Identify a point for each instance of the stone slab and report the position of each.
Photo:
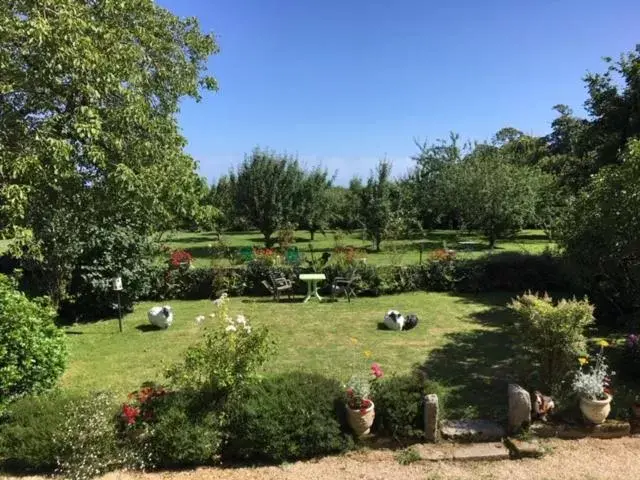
(609, 429)
(435, 453)
(481, 452)
(521, 449)
(472, 430)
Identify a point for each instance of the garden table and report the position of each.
(312, 280)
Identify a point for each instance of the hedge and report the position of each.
(511, 271)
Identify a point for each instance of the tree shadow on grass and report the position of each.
(476, 366)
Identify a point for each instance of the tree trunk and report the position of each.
(492, 241)
(268, 241)
(313, 234)
(378, 239)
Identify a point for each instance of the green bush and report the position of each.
(399, 402)
(288, 417)
(110, 251)
(32, 349)
(27, 432)
(551, 337)
(185, 431)
(228, 355)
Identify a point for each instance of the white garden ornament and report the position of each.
(161, 317)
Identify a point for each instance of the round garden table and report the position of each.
(312, 280)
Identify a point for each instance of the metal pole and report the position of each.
(119, 313)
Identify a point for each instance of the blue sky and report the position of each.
(345, 83)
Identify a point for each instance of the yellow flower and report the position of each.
(583, 360)
(367, 353)
(354, 341)
(603, 343)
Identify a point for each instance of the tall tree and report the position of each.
(315, 203)
(88, 132)
(493, 195)
(268, 189)
(376, 202)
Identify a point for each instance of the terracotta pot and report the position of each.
(360, 422)
(596, 411)
(635, 408)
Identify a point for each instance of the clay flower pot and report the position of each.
(360, 421)
(635, 408)
(596, 411)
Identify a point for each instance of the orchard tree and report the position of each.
(493, 196)
(315, 201)
(268, 191)
(376, 203)
(89, 95)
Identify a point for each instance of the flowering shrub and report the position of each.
(443, 255)
(180, 258)
(88, 444)
(631, 355)
(139, 407)
(594, 384)
(228, 355)
(267, 256)
(358, 388)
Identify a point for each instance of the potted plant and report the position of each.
(593, 388)
(360, 407)
(635, 407)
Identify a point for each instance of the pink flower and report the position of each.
(377, 371)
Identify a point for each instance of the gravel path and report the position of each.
(587, 459)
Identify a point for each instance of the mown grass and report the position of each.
(459, 341)
(201, 245)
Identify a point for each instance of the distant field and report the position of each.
(201, 245)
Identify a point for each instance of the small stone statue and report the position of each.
(542, 405)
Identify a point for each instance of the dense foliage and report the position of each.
(89, 136)
(552, 337)
(32, 349)
(288, 417)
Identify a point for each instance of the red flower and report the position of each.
(130, 413)
(180, 257)
(350, 391)
(377, 371)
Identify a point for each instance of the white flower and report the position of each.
(200, 319)
(230, 328)
(241, 320)
(247, 328)
(212, 315)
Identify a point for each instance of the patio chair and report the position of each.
(292, 255)
(246, 254)
(344, 286)
(278, 283)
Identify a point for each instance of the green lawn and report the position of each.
(393, 252)
(459, 340)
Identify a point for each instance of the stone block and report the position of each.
(431, 417)
(472, 430)
(519, 408)
(481, 452)
(609, 429)
(522, 449)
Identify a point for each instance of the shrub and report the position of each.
(288, 417)
(32, 349)
(551, 336)
(399, 402)
(88, 444)
(27, 431)
(177, 429)
(228, 355)
(630, 363)
(110, 251)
